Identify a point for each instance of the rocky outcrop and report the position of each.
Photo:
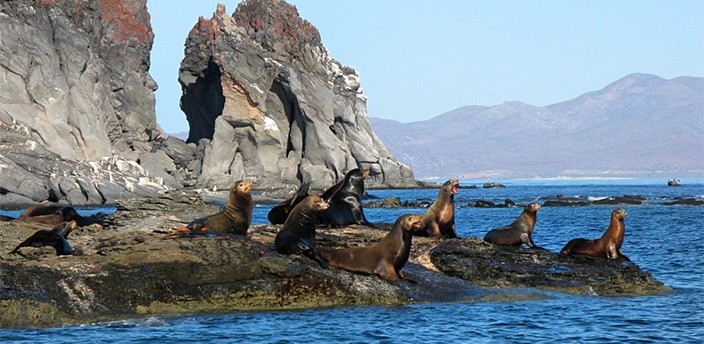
(514, 267)
(272, 105)
(77, 120)
(129, 269)
(75, 73)
(264, 99)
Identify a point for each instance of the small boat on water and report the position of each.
(673, 182)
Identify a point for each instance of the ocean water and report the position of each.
(667, 241)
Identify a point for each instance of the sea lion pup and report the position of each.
(53, 214)
(385, 258)
(56, 238)
(608, 246)
(439, 219)
(278, 214)
(345, 199)
(297, 236)
(234, 219)
(517, 233)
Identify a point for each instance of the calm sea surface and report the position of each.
(667, 241)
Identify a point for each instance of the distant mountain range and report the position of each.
(639, 126)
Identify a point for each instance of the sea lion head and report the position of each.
(65, 228)
(533, 207)
(409, 222)
(619, 213)
(365, 173)
(242, 186)
(316, 203)
(355, 179)
(451, 186)
(68, 213)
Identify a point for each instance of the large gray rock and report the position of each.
(77, 104)
(274, 106)
(76, 72)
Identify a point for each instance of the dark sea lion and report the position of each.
(439, 219)
(6, 218)
(278, 214)
(385, 258)
(517, 233)
(297, 235)
(345, 199)
(56, 238)
(234, 219)
(53, 214)
(608, 246)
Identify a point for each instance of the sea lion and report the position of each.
(439, 219)
(234, 219)
(297, 235)
(345, 199)
(517, 233)
(385, 258)
(53, 214)
(44, 208)
(61, 214)
(608, 246)
(278, 214)
(56, 238)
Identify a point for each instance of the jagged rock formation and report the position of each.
(77, 120)
(272, 105)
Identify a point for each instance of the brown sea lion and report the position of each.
(439, 219)
(56, 238)
(234, 219)
(345, 199)
(517, 233)
(608, 246)
(297, 235)
(278, 214)
(53, 214)
(385, 258)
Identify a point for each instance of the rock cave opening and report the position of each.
(202, 102)
(290, 105)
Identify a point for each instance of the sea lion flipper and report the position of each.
(301, 193)
(526, 239)
(329, 193)
(433, 229)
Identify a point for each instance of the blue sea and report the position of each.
(666, 240)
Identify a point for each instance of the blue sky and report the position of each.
(418, 59)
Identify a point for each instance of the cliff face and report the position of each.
(77, 120)
(270, 104)
(76, 73)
